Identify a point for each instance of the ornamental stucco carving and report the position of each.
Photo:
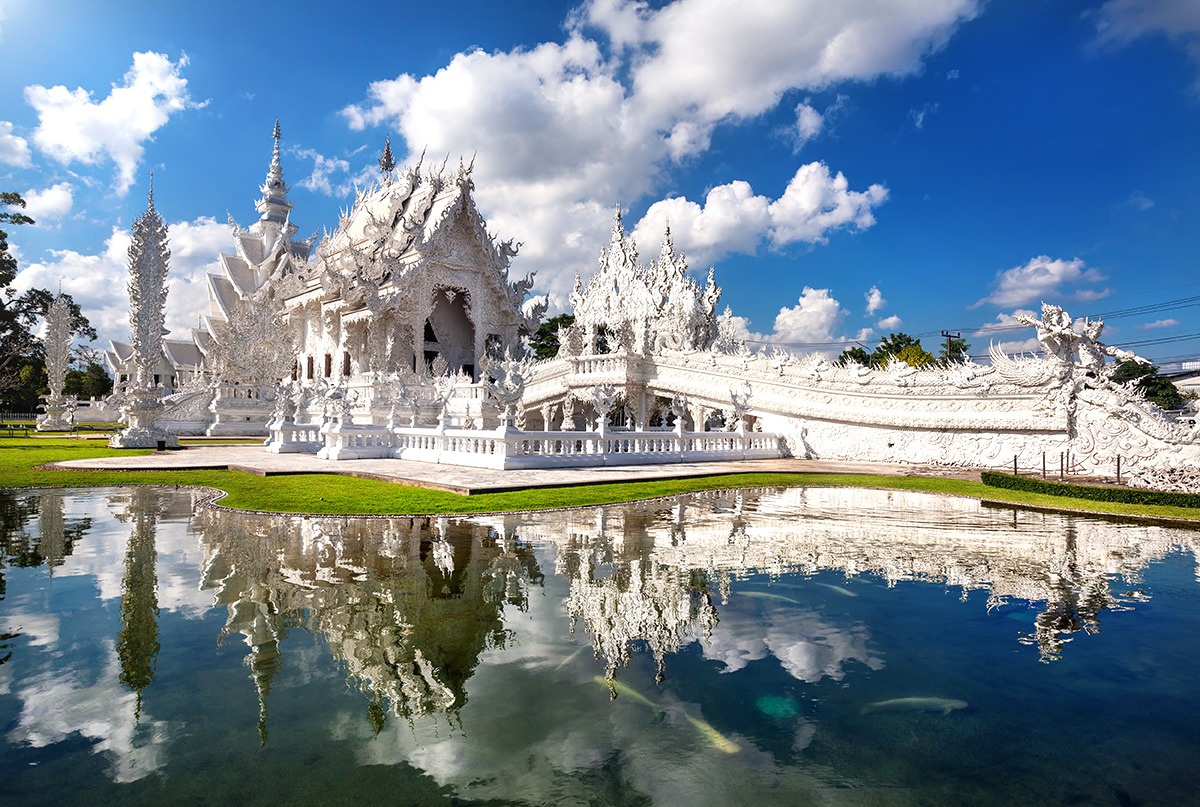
(139, 399)
(57, 341)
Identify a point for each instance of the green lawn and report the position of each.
(336, 494)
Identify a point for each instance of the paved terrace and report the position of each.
(466, 481)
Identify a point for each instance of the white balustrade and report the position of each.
(511, 448)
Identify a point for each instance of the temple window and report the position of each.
(346, 363)
(310, 367)
(328, 365)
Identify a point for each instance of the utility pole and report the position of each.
(948, 336)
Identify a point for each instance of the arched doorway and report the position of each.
(453, 330)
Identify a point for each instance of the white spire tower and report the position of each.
(59, 410)
(275, 222)
(149, 256)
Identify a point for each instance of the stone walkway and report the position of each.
(466, 481)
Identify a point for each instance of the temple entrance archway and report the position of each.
(454, 331)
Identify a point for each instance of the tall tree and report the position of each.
(20, 312)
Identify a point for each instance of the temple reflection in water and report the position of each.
(664, 561)
(408, 605)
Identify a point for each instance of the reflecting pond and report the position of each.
(798, 646)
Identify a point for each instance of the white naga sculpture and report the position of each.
(59, 409)
(139, 399)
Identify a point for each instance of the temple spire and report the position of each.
(387, 163)
(274, 204)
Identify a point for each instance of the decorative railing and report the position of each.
(511, 448)
(607, 364)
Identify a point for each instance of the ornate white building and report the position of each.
(400, 335)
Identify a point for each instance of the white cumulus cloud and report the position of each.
(1159, 323)
(809, 123)
(1012, 337)
(732, 219)
(753, 52)
(50, 204)
(323, 171)
(73, 127)
(98, 282)
(875, 301)
(816, 317)
(14, 150)
(813, 325)
(816, 201)
(735, 219)
(1043, 277)
(889, 323)
(565, 129)
(1119, 22)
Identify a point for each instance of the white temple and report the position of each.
(400, 335)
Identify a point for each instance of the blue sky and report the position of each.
(850, 168)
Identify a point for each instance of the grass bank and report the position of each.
(335, 494)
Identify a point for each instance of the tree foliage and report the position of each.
(1145, 378)
(544, 341)
(93, 381)
(20, 350)
(895, 345)
(955, 350)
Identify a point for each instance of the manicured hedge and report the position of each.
(1122, 495)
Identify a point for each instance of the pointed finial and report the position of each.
(386, 162)
(277, 134)
(150, 195)
(618, 230)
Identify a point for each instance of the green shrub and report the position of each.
(1098, 494)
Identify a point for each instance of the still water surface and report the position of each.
(801, 646)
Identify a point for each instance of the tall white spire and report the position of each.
(149, 256)
(274, 204)
(57, 343)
